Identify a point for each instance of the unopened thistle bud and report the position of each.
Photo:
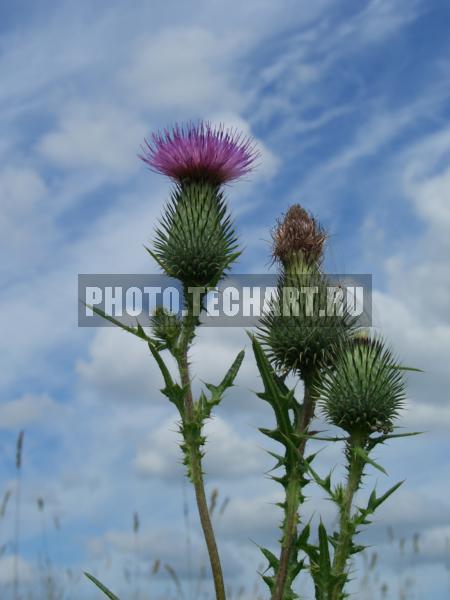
(298, 239)
(166, 327)
(300, 340)
(364, 390)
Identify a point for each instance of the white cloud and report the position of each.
(20, 188)
(95, 137)
(27, 410)
(230, 453)
(112, 88)
(23, 193)
(168, 545)
(254, 518)
(413, 510)
(431, 418)
(413, 311)
(381, 18)
(431, 200)
(27, 571)
(120, 367)
(182, 69)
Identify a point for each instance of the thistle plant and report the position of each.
(196, 243)
(301, 342)
(307, 332)
(352, 377)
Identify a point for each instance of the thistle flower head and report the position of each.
(363, 391)
(298, 236)
(200, 152)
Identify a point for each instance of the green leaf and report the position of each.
(265, 370)
(273, 434)
(137, 331)
(314, 436)
(324, 560)
(156, 259)
(321, 567)
(363, 454)
(204, 405)
(271, 558)
(385, 496)
(172, 390)
(103, 588)
(404, 368)
(303, 537)
(391, 436)
(273, 393)
(161, 364)
(324, 483)
(228, 381)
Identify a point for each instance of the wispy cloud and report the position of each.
(318, 85)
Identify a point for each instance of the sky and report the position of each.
(349, 104)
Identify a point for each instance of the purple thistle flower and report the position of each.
(200, 152)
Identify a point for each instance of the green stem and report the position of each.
(292, 500)
(193, 442)
(205, 520)
(346, 524)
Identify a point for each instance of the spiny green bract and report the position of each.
(196, 242)
(166, 327)
(364, 390)
(303, 342)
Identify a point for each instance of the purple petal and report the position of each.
(200, 152)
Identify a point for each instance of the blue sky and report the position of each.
(350, 104)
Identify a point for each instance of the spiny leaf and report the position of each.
(366, 458)
(172, 390)
(273, 394)
(266, 371)
(204, 405)
(218, 390)
(162, 365)
(324, 561)
(314, 436)
(377, 501)
(324, 483)
(271, 558)
(274, 434)
(404, 368)
(304, 535)
(391, 436)
(155, 257)
(137, 331)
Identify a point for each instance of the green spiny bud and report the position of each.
(166, 327)
(302, 340)
(196, 242)
(363, 391)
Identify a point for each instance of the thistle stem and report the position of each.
(205, 520)
(292, 500)
(193, 442)
(346, 526)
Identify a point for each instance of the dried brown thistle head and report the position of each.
(298, 234)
